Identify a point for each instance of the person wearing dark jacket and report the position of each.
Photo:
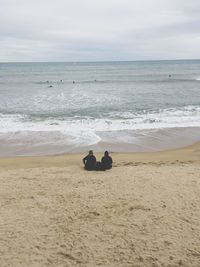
(90, 161)
(106, 161)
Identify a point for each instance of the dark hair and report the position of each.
(106, 153)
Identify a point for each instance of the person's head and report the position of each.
(91, 152)
(106, 154)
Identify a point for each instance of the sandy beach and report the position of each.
(143, 212)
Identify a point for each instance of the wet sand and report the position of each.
(143, 212)
(41, 143)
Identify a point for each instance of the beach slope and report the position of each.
(143, 212)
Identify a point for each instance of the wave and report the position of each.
(119, 127)
(80, 82)
(130, 80)
(183, 117)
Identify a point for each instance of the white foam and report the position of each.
(86, 131)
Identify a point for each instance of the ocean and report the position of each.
(54, 108)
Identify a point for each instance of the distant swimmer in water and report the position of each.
(73, 81)
(170, 75)
(61, 81)
(50, 86)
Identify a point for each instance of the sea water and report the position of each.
(50, 108)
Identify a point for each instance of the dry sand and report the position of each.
(143, 212)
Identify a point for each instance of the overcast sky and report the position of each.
(99, 30)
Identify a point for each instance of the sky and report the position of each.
(99, 30)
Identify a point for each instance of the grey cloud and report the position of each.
(80, 30)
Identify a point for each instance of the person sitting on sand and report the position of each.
(90, 161)
(106, 161)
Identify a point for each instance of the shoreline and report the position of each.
(151, 140)
(185, 154)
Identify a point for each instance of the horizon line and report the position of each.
(102, 61)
